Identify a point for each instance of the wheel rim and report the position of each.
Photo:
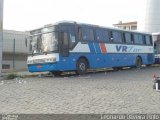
(82, 66)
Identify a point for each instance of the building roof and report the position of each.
(126, 23)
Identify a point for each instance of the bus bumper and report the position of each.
(43, 67)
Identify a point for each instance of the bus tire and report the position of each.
(82, 66)
(138, 62)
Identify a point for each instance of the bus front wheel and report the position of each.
(82, 66)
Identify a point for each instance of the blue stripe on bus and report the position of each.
(91, 47)
(98, 50)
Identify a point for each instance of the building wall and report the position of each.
(19, 65)
(16, 62)
(17, 59)
(8, 42)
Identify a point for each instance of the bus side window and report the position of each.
(99, 35)
(144, 40)
(102, 35)
(106, 35)
(123, 38)
(72, 37)
(135, 36)
(132, 39)
(111, 36)
(128, 38)
(148, 40)
(87, 34)
(140, 39)
(79, 33)
(64, 38)
(117, 37)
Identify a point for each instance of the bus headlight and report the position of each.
(50, 60)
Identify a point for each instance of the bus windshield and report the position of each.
(49, 42)
(44, 43)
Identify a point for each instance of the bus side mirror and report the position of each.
(26, 42)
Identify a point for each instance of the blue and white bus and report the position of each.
(71, 46)
(156, 39)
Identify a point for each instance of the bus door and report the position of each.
(64, 43)
(68, 39)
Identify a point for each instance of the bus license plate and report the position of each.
(39, 66)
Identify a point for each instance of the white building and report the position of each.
(126, 25)
(14, 50)
(151, 21)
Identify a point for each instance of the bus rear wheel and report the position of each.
(82, 66)
(138, 62)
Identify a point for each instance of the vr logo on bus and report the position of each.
(122, 48)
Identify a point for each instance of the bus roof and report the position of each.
(92, 25)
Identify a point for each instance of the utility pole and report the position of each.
(1, 33)
(14, 54)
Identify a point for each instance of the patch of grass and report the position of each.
(11, 76)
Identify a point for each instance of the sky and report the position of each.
(24, 15)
